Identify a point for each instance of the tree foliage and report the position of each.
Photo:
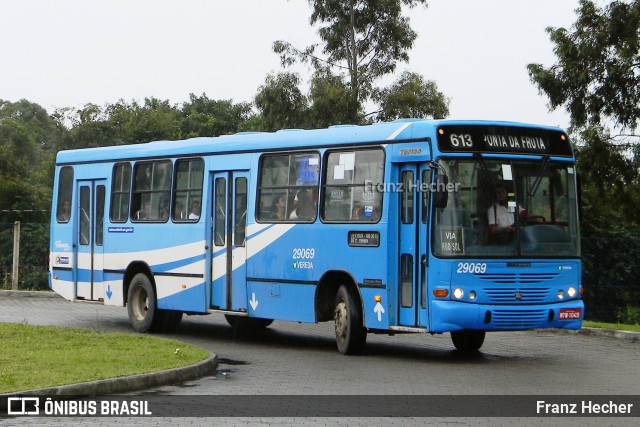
(280, 102)
(411, 96)
(597, 74)
(597, 79)
(363, 40)
(28, 139)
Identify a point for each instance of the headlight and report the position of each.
(472, 295)
(560, 294)
(458, 293)
(571, 292)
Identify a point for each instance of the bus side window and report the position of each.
(351, 186)
(120, 192)
(288, 187)
(65, 191)
(187, 190)
(151, 191)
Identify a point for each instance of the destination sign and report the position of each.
(503, 139)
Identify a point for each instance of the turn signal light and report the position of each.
(377, 298)
(440, 293)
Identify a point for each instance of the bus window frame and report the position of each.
(60, 203)
(287, 188)
(111, 204)
(174, 183)
(323, 183)
(133, 212)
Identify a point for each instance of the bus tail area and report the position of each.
(409, 226)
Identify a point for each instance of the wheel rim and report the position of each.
(140, 303)
(341, 320)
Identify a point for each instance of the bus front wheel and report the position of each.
(468, 340)
(351, 336)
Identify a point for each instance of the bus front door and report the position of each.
(89, 240)
(228, 235)
(412, 260)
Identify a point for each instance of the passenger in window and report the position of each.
(65, 213)
(145, 212)
(194, 214)
(305, 208)
(279, 208)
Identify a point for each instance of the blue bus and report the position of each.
(409, 226)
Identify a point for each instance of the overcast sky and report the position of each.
(65, 53)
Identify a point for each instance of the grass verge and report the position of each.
(46, 356)
(616, 326)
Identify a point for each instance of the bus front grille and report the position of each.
(518, 319)
(516, 278)
(510, 295)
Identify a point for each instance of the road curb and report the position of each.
(601, 332)
(28, 294)
(130, 383)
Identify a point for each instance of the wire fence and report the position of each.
(610, 276)
(34, 255)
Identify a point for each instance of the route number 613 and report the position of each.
(462, 140)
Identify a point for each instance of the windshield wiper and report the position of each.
(536, 183)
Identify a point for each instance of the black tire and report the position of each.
(351, 336)
(247, 323)
(468, 340)
(141, 304)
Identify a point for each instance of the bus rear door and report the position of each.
(89, 240)
(229, 255)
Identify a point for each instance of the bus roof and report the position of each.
(402, 129)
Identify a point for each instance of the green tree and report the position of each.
(330, 100)
(411, 96)
(28, 137)
(281, 102)
(152, 121)
(208, 117)
(363, 41)
(597, 80)
(597, 74)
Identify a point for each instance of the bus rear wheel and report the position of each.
(144, 314)
(141, 303)
(351, 336)
(468, 340)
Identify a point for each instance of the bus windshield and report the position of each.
(508, 208)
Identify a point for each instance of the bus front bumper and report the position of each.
(454, 315)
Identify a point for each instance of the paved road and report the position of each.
(291, 358)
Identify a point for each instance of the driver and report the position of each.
(500, 218)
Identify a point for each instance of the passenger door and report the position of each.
(89, 240)
(412, 254)
(228, 240)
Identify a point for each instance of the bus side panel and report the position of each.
(178, 270)
(286, 261)
(282, 301)
(171, 296)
